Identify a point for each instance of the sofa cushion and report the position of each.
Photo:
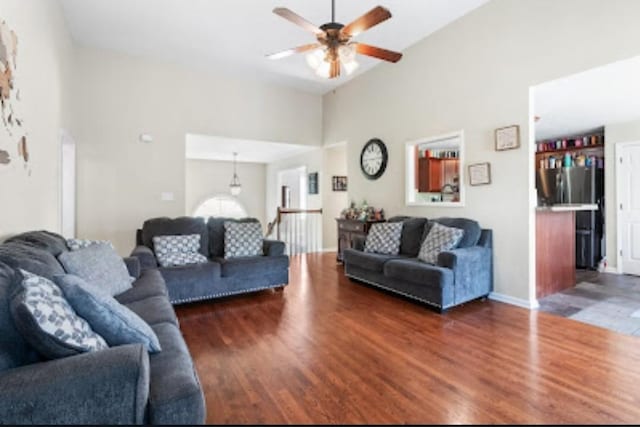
(175, 226)
(14, 350)
(440, 238)
(252, 266)
(31, 258)
(368, 261)
(384, 238)
(99, 265)
(53, 243)
(215, 227)
(175, 394)
(154, 310)
(114, 322)
(472, 230)
(48, 322)
(178, 250)
(149, 284)
(242, 239)
(412, 234)
(415, 271)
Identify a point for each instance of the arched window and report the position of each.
(222, 205)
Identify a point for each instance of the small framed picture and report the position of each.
(313, 183)
(339, 183)
(507, 138)
(480, 174)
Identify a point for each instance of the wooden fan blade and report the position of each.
(289, 52)
(366, 21)
(297, 19)
(335, 69)
(377, 52)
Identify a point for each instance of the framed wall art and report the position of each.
(480, 174)
(507, 138)
(339, 183)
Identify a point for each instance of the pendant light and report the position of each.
(235, 187)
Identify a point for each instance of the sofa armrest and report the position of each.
(133, 265)
(273, 247)
(358, 242)
(472, 269)
(104, 387)
(146, 257)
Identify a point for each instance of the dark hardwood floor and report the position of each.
(327, 350)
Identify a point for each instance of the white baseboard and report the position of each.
(611, 269)
(531, 305)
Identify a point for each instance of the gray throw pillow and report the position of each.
(384, 238)
(117, 324)
(242, 239)
(99, 265)
(178, 250)
(47, 321)
(440, 238)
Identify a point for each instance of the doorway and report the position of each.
(628, 192)
(67, 185)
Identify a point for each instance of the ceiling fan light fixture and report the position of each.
(315, 58)
(324, 69)
(347, 53)
(235, 188)
(350, 67)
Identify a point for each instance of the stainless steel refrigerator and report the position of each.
(578, 185)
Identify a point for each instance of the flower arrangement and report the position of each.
(363, 212)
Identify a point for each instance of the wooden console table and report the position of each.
(348, 229)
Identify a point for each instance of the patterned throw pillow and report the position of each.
(178, 250)
(242, 239)
(384, 238)
(47, 321)
(77, 244)
(440, 238)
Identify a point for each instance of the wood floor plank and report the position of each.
(327, 350)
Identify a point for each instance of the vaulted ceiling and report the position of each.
(235, 35)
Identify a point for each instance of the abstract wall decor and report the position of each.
(9, 100)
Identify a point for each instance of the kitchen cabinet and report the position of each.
(433, 173)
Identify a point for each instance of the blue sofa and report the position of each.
(462, 274)
(119, 385)
(219, 277)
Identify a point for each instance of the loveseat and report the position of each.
(120, 385)
(462, 274)
(219, 276)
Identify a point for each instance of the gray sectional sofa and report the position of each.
(119, 385)
(219, 277)
(462, 274)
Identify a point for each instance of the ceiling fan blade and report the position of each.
(289, 52)
(335, 69)
(366, 21)
(377, 52)
(297, 19)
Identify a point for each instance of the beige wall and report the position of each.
(614, 134)
(335, 163)
(475, 75)
(117, 97)
(29, 198)
(206, 178)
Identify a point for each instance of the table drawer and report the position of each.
(352, 226)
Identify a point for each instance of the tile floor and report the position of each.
(607, 300)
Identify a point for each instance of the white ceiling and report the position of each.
(203, 147)
(588, 100)
(235, 35)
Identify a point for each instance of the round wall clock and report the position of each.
(373, 159)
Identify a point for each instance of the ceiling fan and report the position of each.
(334, 48)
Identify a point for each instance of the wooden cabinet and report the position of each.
(433, 173)
(348, 229)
